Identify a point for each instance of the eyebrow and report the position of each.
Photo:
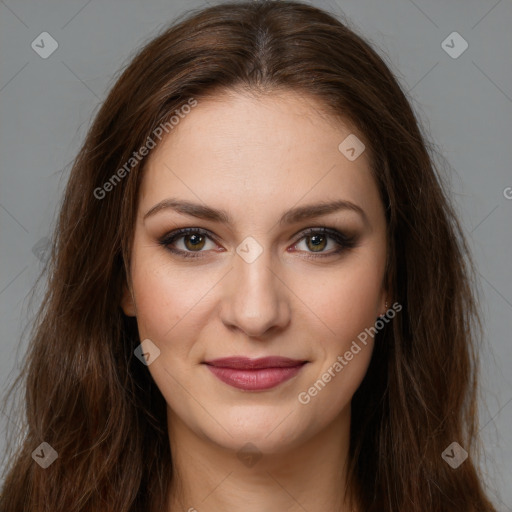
(292, 216)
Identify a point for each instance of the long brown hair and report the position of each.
(86, 394)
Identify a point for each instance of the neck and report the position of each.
(307, 476)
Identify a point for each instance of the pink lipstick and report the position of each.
(254, 374)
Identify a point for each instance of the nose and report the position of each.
(255, 299)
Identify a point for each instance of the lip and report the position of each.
(255, 374)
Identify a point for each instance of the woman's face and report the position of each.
(251, 283)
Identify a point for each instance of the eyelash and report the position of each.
(344, 241)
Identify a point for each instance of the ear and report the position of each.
(127, 303)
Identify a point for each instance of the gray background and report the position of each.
(46, 106)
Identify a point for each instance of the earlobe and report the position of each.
(127, 303)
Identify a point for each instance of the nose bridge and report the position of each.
(257, 301)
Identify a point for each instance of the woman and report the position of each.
(259, 293)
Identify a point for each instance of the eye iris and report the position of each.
(317, 245)
(198, 240)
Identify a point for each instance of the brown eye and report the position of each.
(318, 242)
(193, 242)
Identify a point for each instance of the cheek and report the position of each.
(346, 301)
(344, 352)
(164, 292)
(345, 298)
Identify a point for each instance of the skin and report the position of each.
(257, 158)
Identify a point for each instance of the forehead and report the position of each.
(249, 151)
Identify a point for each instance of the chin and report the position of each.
(271, 429)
